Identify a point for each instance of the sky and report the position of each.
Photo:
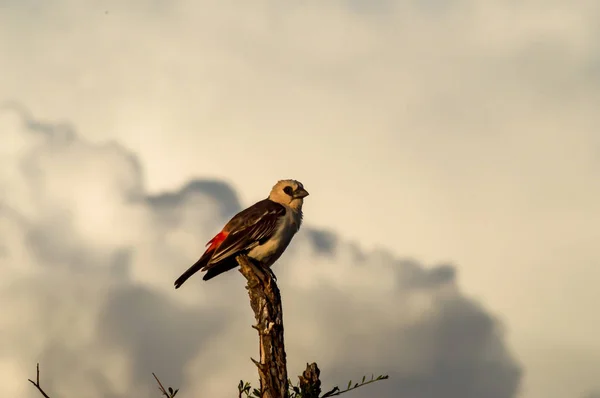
(452, 153)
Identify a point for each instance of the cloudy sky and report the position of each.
(452, 153)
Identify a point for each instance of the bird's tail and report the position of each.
(198, 265)
(219, 268)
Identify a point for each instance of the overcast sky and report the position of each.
(452, 153)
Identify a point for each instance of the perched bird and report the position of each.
(262, 232)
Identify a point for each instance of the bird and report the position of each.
(262, 232)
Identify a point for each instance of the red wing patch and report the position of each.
(217, 240)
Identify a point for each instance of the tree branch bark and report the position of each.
(265, 301)
(310, 384)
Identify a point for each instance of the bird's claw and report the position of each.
(270, 272)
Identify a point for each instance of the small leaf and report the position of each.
(363, 380)
(349, 384)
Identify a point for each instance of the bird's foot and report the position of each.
(270, 272)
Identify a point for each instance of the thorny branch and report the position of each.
(265, 301)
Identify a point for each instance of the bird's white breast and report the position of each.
(272, 249)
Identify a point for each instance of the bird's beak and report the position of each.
(300, 193)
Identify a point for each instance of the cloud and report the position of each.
(87, 264)
(475, 124)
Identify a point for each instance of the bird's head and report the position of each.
(289, 192)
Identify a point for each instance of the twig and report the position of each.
(160, 386)
(265, 301)
(36, 383)
(336, 390)
(164, 392)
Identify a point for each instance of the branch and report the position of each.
(310, 385)
(336, 390)
(265, 301)
(170, 394)
(36, 383)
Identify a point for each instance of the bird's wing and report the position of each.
(249, 228)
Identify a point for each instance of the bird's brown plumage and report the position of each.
(262, 231)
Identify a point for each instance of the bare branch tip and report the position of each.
(160, 386)
(36, 383)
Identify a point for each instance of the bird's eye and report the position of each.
(288, 190)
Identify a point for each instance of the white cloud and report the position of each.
(87, 290)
